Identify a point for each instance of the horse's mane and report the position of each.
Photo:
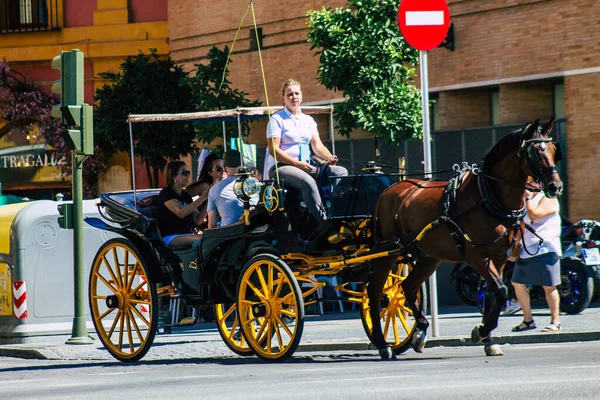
(509, 142)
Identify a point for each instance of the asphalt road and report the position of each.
(531, 371)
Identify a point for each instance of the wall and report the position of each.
(464, 108)
(79, 12)
(582, 103)
(521, 102)
(147, 10)
(497, 39)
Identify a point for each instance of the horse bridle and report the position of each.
(531, 155)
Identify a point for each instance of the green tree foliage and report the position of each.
(211, 91)
(146, 84)
(26, 106)
(364, 56)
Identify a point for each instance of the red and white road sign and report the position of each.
(424, 23)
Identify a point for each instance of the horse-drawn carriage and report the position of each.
(260, 274)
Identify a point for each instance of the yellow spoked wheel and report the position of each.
(397, 319)
(123, 303)
(270, 308)
(228, 324)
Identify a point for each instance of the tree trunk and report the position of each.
(149, 175)
(155, 177)
(376, 145)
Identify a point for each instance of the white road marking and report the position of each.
(485, 383)
(22, 381)
(424, 18)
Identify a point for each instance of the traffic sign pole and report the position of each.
(424, 25)
(427, 169)
(425, 108)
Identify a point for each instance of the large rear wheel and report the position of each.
(398, 323)
(123, 304)
(270, 308)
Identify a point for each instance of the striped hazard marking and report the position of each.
(20, 299)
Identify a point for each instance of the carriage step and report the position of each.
(187, 321)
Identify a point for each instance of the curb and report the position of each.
(531, 338)
(25, 353)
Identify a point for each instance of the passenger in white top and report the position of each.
(290, 137)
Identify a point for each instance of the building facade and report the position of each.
(33, 32)
(513, 61)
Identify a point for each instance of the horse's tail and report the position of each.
(374, 219)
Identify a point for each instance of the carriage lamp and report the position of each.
(372, 168)
(244, 188)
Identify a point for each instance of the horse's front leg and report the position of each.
(495, 297)
(381, 268)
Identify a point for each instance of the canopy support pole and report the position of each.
(240, 142)
(132, 163)
(331, 129)
(224, 137)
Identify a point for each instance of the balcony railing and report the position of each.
(28, 15)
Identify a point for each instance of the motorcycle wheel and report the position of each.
(466, 287)
(576, 287)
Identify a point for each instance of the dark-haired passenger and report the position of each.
(212, 172)
(178, 217)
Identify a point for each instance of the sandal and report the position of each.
(552, 328)
(525, 326)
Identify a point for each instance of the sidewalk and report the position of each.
(328, 332)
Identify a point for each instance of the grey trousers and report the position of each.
(306, 184)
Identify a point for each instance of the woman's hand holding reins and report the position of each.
(304, 166)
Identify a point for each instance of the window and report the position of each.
(28, 15)
(495, 106)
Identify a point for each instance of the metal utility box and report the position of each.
(36, 269)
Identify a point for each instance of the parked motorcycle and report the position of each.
(581, 241)
(466, 280)
(580, 270)
(575, 290)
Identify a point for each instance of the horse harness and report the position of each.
(449, 213)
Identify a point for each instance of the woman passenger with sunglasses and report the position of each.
(178, 217)
(212, 171)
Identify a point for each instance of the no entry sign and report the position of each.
(424, 23)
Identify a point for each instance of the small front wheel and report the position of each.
(270, 308)
(123, 304)
(396, 316)
(230, 330)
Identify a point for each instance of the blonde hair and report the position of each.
(287, 84)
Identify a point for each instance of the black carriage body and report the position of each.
(209, 273)
(205, 274)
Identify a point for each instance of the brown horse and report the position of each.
(472, 219)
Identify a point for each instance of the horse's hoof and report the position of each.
(419, 339)
(387, 354)
(475, 335)
(493, 350)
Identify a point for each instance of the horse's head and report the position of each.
(539, 155)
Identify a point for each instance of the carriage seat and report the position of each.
(148, 206)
